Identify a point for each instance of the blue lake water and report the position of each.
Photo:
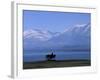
(30, 56)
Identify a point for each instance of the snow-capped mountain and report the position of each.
(78, 35)
(78, 28)
(39, 35)
(36, 37)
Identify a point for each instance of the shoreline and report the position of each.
(56, 64)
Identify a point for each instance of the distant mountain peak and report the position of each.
(42, 35)
(77, 28)
(80, 25)
(72, 36)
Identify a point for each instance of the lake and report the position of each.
(31, 56)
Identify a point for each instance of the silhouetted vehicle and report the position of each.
(50, 56)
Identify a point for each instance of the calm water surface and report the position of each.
(30, 56)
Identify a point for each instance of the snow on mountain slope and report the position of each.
(72, 36)
(38, 34)
(78, 28)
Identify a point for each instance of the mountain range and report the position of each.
(75, 37)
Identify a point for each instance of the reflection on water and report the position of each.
(30, 56)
